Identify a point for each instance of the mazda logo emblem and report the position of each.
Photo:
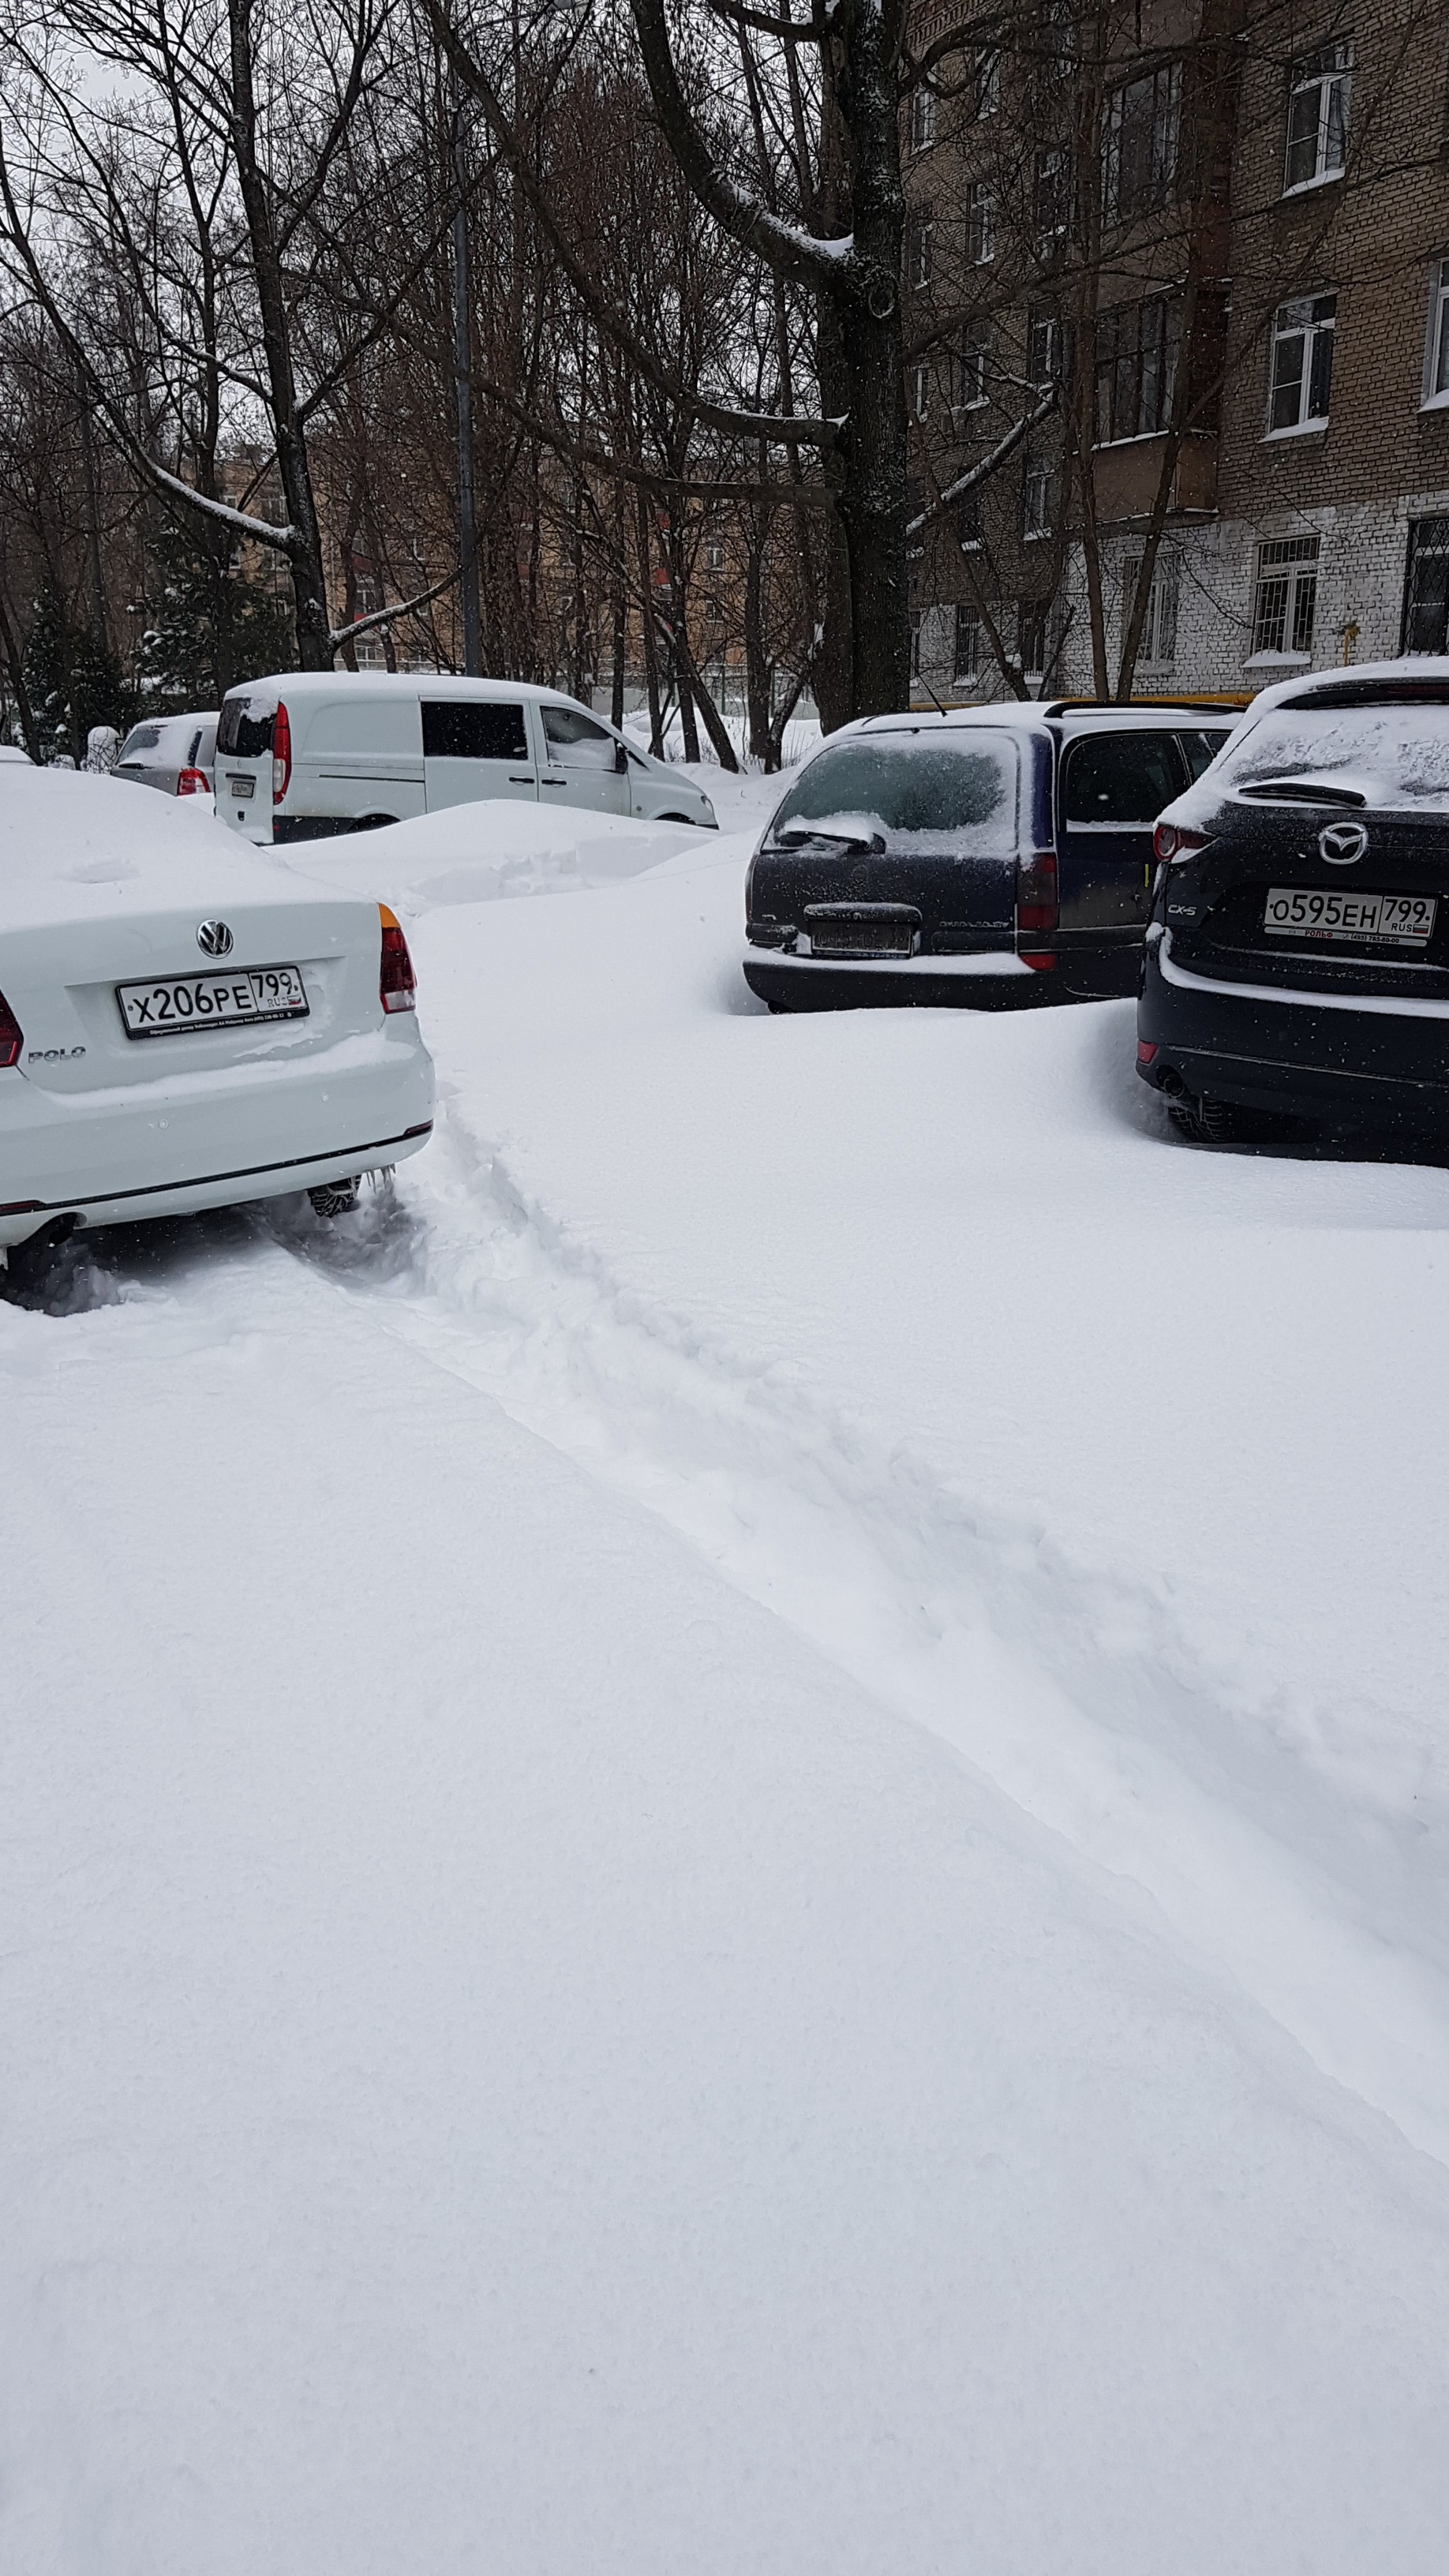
(214, 939)
(1342, 843)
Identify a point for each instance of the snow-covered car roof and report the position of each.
(1036, 715)
(295, 686)
(12, 751)
(153, 733)
(1417, 674)
(73, 847)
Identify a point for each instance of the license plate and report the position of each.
(1383, 920)
(860, 935)
(241, 786)
(178, 1005)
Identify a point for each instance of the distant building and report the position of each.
(1309, 515)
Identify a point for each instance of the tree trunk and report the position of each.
(304, 554)
(873, 483)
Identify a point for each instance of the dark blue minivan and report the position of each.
(989, 855)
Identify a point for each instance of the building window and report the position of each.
(968, 388)
(1043, 349)
(980, 224)
(1436, 355)
(1049, 192)
(1031, 631)
(1139, 144)
(923, 118)
(1136, 368)
(714, 549)
(966, 519)
(1426, 589)
(1157, 649)
(1036, 497)
(920, 246)
(1302, 378)
(1317, 117)
(1285, 596)
(966, 660)
(916, 616)
(921, 390)
(714, 612)
(986, 81)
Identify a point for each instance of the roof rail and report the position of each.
(1226, 704)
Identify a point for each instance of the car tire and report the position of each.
(1228, 1122)
(334, 1198)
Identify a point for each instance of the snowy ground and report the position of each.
(725, 1842)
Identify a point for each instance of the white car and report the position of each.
(304, 754)
(182, 1026)
(175, 754)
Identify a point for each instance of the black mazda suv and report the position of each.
(1296, 972)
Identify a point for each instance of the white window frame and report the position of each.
(1319, 81)
(1047, 328)
(969, 364)
(986, 82)
(923, 117)
(921, 389)
(1436, 345)
(1289, 564)
(921, 241)
(968, 621)
(1157, 650)
(980, 224)
(1050, 181)
(1302, 319)
(1036, 497)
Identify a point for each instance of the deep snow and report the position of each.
(725, 1838)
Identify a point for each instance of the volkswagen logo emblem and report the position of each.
(214, 939)
(1342, 843)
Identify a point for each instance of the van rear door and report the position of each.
(474, 748)
(1114, 784)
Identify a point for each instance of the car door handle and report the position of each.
(520, 778)
(554, 778)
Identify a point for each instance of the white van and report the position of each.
(306, 753)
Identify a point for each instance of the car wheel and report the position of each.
(334, 1198)
(1228, 1122)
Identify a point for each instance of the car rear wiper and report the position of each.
(1303, 791)
(798, 835)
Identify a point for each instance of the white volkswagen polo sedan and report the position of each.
(186, 1022)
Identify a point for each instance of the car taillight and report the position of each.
(11, 1035)
(1036, 893)
(193, 782)
(281, 755)
(1169, 841)
(399, 984)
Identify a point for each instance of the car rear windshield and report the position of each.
(910, 790)
(241, 735)
(140, 738)
(1388, 755)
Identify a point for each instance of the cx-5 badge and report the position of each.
(214, 939)
(1342, 843)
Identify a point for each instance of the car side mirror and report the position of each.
(621, 759)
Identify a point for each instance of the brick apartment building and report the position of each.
(1309, 502)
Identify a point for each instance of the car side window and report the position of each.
(1121, 778)
(1201, 746)
(576, 741)
(461, 729)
